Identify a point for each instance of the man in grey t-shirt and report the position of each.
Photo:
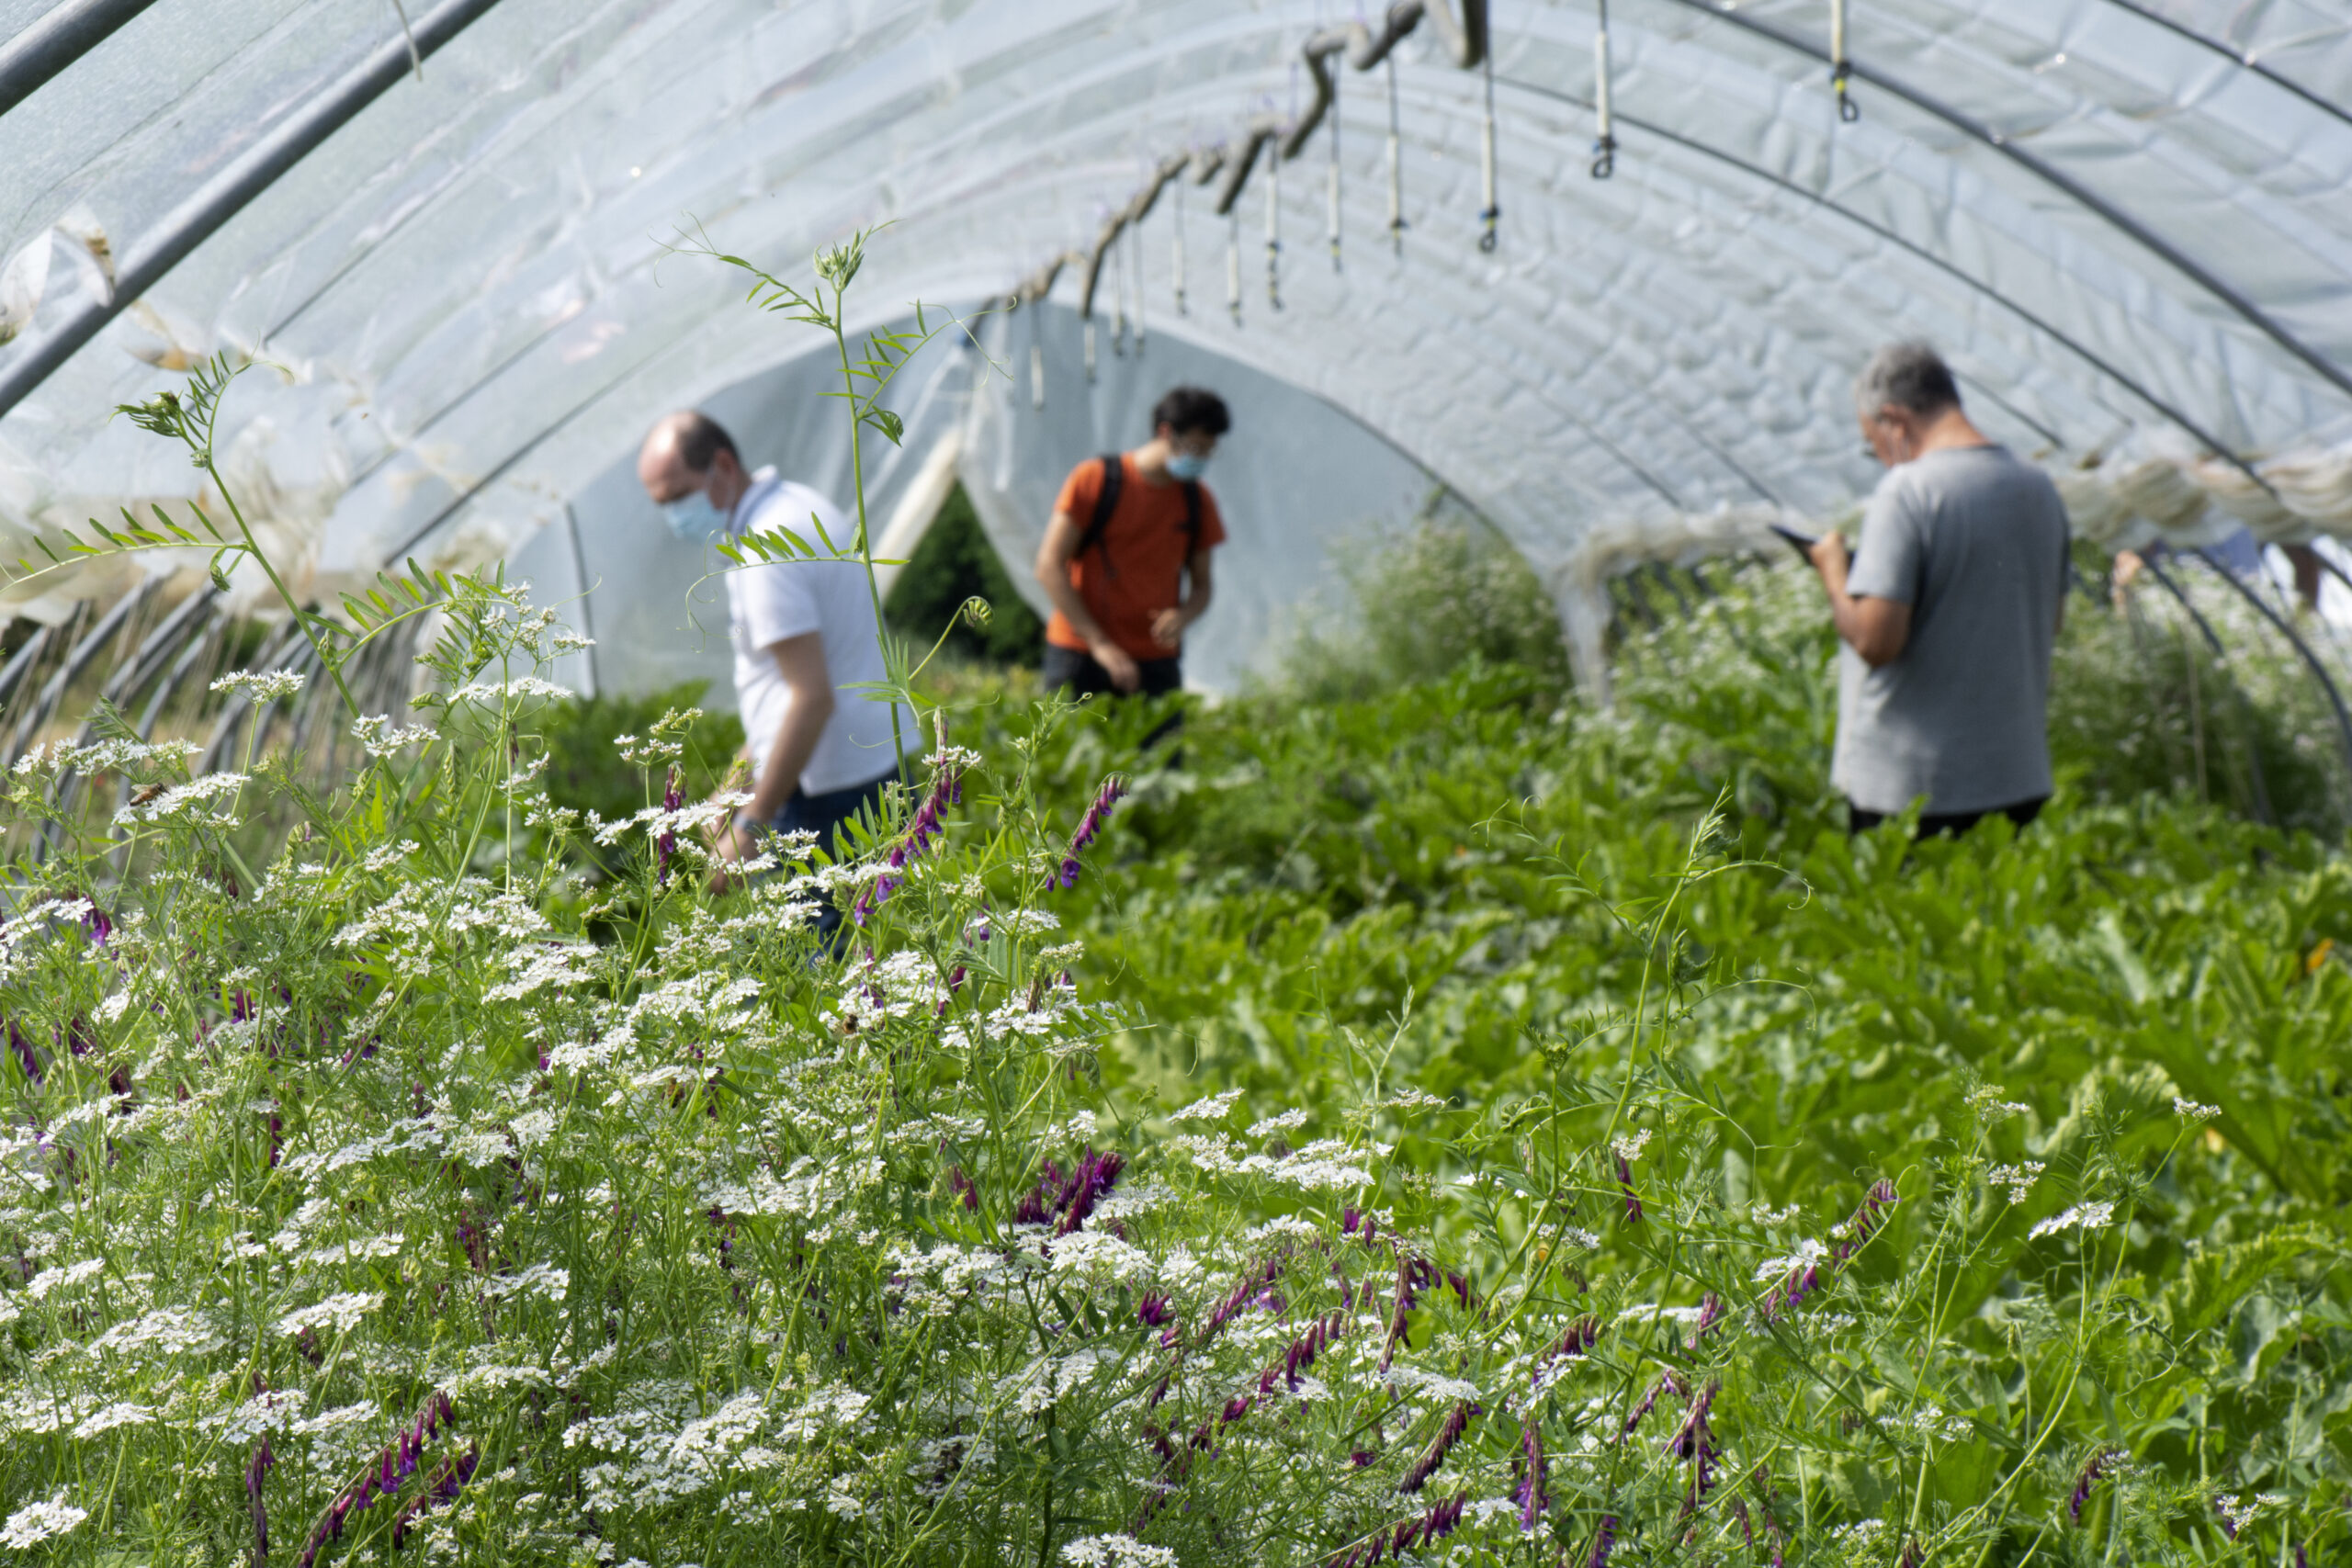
(1948, 611)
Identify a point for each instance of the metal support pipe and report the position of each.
(2326, 682)
(148, 259)
(56, 41)
(2220, 656)
(2057, 179)
(2244, 59)
(2090, 355)
(76, 659)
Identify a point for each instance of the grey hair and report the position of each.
(1910, 376)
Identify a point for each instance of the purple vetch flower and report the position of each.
(1632, 1200)
(1153, 1311)
(674, 798)
(1711, 1314)
(1412, 1275)
(1066, 1198)
(961, 1185)
(255, 1469)
(27, 1058)
(1456, 1422)
(1090, 828)
(1094, 1178)
(1529, 1495)
(2091, 1474)
(1605, 1541)
(1413, 1533)
(384, 1474)
(1253, 1281)
(1666, 1383)
(440, 1489)
(96, 925)
(725, 1228)
(926, 830)
(1695, 1440)
(1867, 1220)
(1581, 1337)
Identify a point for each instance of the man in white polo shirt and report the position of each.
(803, 630)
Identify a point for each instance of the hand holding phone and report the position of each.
(1801, 543)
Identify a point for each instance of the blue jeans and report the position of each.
(824, 815)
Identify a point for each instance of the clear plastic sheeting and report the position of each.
(2127, 221)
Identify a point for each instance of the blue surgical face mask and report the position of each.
(1186, 466)
(693, 518)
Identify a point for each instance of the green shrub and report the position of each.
(955, 562)
(1419, 603)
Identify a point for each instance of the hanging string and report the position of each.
(1135, 241)
(1331, 196)
(1396, 165)
(1841, 68)
(1274, 202)
(1604, 147)
(1233, 264)
(1274, 227)
(1176, 248)
(1119, 297)
(1037, 354)
(1491, 214)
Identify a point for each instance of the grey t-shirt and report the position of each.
(1974, 541)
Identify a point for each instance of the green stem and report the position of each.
(865, 542)
(253, 545)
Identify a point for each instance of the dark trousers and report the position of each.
(825, 815)
(1949, 824)
(1079, 675)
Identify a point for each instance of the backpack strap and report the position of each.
(1106, 501)
(1191, 517)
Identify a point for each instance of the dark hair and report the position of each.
(1189, 410)
(701, 440)
(1908, 375)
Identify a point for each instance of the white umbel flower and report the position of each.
(37, 1522)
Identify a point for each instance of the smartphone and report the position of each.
(1801, 543)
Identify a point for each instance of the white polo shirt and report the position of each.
(768, 602)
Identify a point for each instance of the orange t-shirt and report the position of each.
(1138, 568)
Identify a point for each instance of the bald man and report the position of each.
(803, 631)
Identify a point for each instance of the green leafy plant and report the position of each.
(1455, 1126)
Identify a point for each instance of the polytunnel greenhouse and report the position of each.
(622, 944)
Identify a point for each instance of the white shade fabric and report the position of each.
(2127, 221)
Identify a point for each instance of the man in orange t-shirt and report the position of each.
(1126, 580)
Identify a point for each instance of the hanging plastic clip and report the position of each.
(1841, 69)
(1490, 215)
(1396, 165)
(1331, 183)
(1604, 146)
